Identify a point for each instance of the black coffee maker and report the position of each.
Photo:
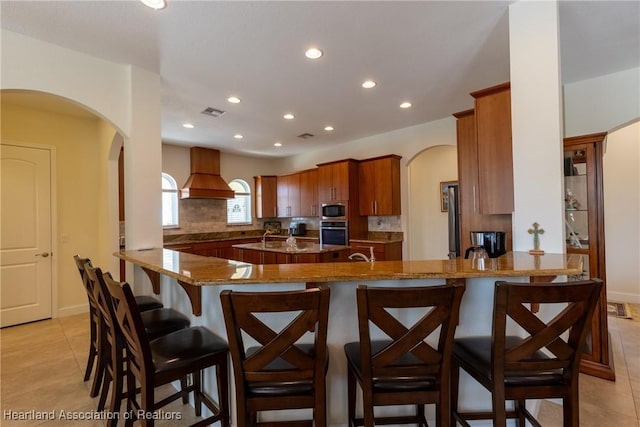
(493, 242)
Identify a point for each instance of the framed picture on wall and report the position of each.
(444, 194)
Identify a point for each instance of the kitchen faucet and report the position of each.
(264, 236)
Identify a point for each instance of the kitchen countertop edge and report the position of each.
(206, 271)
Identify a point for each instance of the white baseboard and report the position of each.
(623, 297)
(73, 310)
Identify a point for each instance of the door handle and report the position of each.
(44, 254)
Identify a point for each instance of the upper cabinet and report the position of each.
(485, 181)
(494, 149)
(380, 186)
(309, 193)
(288, 195)
(338, 181)
(265, 196)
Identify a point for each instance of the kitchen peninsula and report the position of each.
(203, 278)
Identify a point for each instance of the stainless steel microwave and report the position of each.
(335, 210)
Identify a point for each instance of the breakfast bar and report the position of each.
(203, 278)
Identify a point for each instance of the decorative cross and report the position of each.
(536, 231)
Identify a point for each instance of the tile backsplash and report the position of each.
(210, 215)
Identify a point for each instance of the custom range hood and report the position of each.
(205, 181)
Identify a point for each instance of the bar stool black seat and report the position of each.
(144, 303)
(544, 364)
(157, 322)
(287, 367)
(174, 356)
(405, 368)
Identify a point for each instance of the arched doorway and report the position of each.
(83, 182)
(427, 222)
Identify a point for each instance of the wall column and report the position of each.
(536, 101)
(143, 170)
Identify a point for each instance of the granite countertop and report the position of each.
(201, 271)
(188, 238)
(282, 247)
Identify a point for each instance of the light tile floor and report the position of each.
(42, 365)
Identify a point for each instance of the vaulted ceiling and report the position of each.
(428, 53)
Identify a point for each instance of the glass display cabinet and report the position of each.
(584, 225)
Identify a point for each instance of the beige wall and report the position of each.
(622, 213)
(426, 171)
(603, 104)
(81, 170)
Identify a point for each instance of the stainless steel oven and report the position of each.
(334, 233)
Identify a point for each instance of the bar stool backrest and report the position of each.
(408, 354)
(139, 360)
(545, 349)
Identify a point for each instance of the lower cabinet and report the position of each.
(382, 251)
(216, 249)
(268, 257)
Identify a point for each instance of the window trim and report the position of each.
(249, 204)
(174, 191)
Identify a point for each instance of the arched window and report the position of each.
(169, 201)
(239, 208)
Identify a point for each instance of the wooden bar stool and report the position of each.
(157, 322)
(540, 366)
(174, 356)
(403, 369)
(144, 303)
(287, 369)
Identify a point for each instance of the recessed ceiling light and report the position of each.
(238, 136)
(313, 53)
(155, 4)
(289, 116)
(188, 125)
(405, 105)
(278, 144)
(328, 128)
(233, 99)
(368, 84)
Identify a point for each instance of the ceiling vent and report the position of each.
(305, 135)
(210, 111)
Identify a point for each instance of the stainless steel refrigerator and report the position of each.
(454, 222)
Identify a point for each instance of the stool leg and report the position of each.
(455, 378)
(498, 406)
(222, 377)
(183, 387)
(101, 362)
(93, 344)
(197, 392)
(351, 397)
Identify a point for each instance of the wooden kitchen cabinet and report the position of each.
(288, 190)
(266, 196)
(380, 185)
(471, 219)
(494, 148)
(383, 251)
(584, 231)
(309, 193)
(206, 249)
(225, 247)
(338, 181)
(180, 247)
(256, 256)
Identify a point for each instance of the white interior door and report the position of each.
(25, 242)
